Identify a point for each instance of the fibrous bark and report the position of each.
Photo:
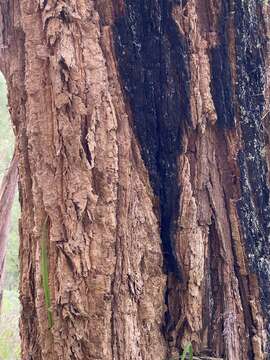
(143, 140)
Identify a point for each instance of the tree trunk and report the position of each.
(143, 143)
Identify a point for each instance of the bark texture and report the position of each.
(143, 143)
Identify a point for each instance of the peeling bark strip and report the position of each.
(140, 136)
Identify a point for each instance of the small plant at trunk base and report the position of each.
(187, 351)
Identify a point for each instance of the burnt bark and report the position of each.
(142, 131)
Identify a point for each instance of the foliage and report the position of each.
(6, 152)
(6, 132)
(12, 263)
(9, 330)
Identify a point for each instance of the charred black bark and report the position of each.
(153, 59)
(153, 63)
(221, 79)
(253, 206)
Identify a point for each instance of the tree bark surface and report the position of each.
(142, 130)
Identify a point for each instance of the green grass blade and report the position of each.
(45, 271)
(187, 350)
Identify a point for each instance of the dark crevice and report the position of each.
(84, 141)
(216, 305)
(221, 79)
(243, 290)
(64, 15)
(244, 294)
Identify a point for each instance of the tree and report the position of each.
(143, 174)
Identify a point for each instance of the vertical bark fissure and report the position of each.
(242, 283)
(215, 340)
(222, 87)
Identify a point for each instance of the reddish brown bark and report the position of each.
(142, 135)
